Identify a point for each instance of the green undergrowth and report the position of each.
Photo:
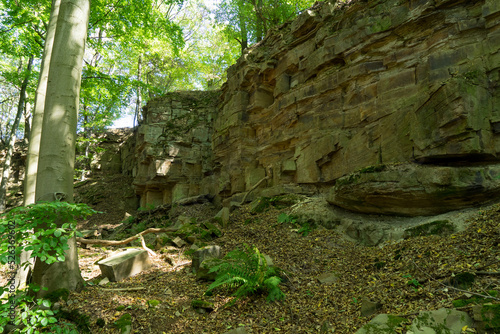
(44, 229)
(303, 228)
(246, 270)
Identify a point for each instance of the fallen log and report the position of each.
(125, 241)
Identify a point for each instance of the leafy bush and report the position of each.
(247, 270)
(301, 228)
(35, 227)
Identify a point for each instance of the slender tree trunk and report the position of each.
(12, 137)
(37, 117)
(54, 180)
(259, 21)
(87, 132)
(243, 31)
(138, 102)
(27, 126)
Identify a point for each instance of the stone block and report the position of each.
(413, 190)
(125, 264)
(289, 166)
(204, 253)
(252, 176)
(282, 85)
(153, 197)
(491, 7)
(223, 214)
(382, 323)
(328, 278)
(179, 243)
(262, 99)
(180, 191)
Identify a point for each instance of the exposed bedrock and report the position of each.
(411, 85)
(413, 190)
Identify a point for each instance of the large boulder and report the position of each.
(415, 190)
(446, 321)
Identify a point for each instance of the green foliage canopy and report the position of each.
(248, 21)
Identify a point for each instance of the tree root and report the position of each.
(267, 177)
(123, 289)
(452, 287)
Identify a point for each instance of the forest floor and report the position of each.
(404, 277)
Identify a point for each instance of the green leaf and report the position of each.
(57, 233)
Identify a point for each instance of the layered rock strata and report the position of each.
(377, 83)
(408, 85)
(174, 150)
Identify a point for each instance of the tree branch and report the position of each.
(106, 14)
(125, 241)
(451, 287)
(267, 177)
(15, 25)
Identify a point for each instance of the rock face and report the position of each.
(174, 155)
(412, 190)
(410, 85)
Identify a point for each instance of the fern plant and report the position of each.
(247, 270)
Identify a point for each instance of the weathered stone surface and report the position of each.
(487, 317)
(328, 278)
(223, 215)
(179, 242)
(414, 190)
(366, 93)
(371, 230)
(125, 264)
(394, 83)
(202, 254)
(369, 307)
(382, 323)
(174, 148)
(239, 330)
(441, 321)
(203, 272)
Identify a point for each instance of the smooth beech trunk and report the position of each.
(54, 180)
(37, 117)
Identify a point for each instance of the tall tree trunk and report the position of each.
(37, 117)
(27, 126)
(54, 180)
(12, 136)
(138, 102)
(259, 21)
(243, 31)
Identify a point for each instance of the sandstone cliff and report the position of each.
(382, 106)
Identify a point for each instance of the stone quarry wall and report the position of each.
(383, 106)
(174, 149)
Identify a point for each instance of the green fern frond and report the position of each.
(275, 294)
(247, 270)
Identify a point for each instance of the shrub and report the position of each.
(247, 270)
(35, 227)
